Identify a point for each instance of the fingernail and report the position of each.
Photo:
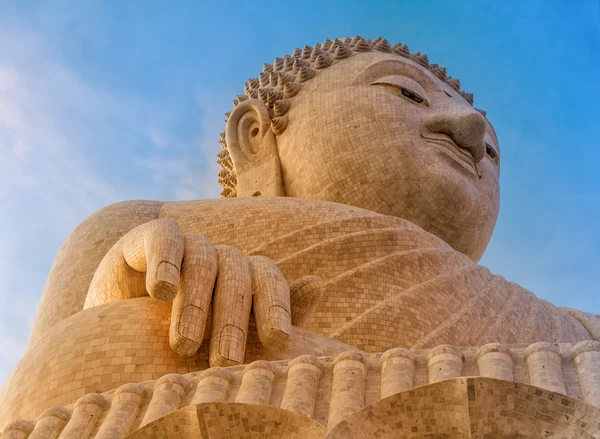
(167, 282)
(279, 334)
(185, 332)
(167, 272)
(232, 344)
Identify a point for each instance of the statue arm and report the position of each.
(76, 262)
(157, 259)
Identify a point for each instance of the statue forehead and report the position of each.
(365, 66)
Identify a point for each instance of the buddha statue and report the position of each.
(360, 189)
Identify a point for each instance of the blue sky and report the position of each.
(102, 101)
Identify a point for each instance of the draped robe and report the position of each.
(388, 283)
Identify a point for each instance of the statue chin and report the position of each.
(455, 210)
(449, 206)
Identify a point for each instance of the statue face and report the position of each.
(380, 132)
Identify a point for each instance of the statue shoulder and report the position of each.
(258, 222)
(92, 238)
(80, 254)
(278, 227)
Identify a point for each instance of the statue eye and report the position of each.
(490, 151)
(410, 95)
(405, 87)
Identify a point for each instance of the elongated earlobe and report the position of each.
(253, 149)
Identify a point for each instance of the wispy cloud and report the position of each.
(158, 137)
(67, 148)
(47, 183)
(192, 175)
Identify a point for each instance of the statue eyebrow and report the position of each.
(391, 67)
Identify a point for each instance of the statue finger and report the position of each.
(305, 293)
(271, 304)
(114, 280)
(231, 307)
(192, 303)
(163, 246)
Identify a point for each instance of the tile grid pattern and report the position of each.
(387, 133)
(344, 377)
(373, 264)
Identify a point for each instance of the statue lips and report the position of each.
(460, 155)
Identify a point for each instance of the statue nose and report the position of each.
(463, 124)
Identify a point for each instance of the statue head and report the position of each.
(363, 123)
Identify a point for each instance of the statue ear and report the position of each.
(253, 149)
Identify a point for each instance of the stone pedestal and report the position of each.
(124, 409)
(545, 367)
(257, 383)
(495, 361)
(587, 358)
(397, 368)
(167, 396)
(300, 393)
(213, 386)
(348, 390)
(86, 414)
(50, 423)
(445, 362)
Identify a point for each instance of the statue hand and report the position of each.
(158, 259)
